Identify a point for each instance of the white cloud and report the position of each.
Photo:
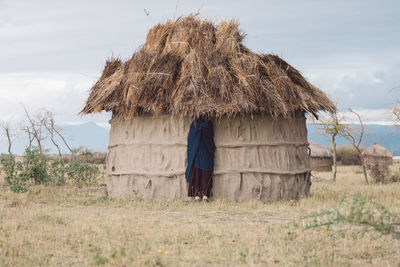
(368, 116)
(62, 93)
(51, 52)
(365, 87)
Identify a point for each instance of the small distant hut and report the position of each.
(190, 68)
(321, 159)
(377, 159)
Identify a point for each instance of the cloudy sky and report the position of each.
(51, 52)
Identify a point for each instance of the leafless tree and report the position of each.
(9, 133)
(34, 128)
(395, 113)
(331, 127)
(46, 118)
(48, 121)
(58, 132)
(355, 136)
(41, 126)
(26, 129)
(396, 118)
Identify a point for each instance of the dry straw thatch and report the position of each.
(193, 67)
(377, 151)
(318, 151)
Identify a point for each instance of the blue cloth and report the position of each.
(203, 160)
(201, 147)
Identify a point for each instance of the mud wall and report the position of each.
(256, 158)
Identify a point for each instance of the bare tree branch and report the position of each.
(34, 129)
(9, 133)
(58, 132)
(396, 113)
(355, 137)
(25, 128)
(331, 127)
(46, 118)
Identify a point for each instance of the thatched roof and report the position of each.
(318, 151)
(377, 151)
(193, 67)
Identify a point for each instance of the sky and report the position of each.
(52, 52)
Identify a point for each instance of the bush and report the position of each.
(347, 155)
(11, 170)
(8, 167)
(19, 174)
(37, 168)
(34, 167)
(82, 173)
(359, 210)
(57, 172)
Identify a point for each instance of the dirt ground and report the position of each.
(67, 226)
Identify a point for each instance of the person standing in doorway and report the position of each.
(200, 155)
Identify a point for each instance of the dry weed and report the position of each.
(65, 226)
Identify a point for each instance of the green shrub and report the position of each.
(82, 173)
(8, 167)
(57, 172)
(12, 176)
(35, 167)
(359, 210)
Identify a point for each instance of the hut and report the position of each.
(377, 160)
(321, 158)
(189, 68)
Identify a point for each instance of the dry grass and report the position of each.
(64, 226)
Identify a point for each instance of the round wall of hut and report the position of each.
(377, 159)
(377, 162)
(256, 158)
(321, 158)
(321, 164)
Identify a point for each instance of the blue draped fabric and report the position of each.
(201, 147)
(203, 160)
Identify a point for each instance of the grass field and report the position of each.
(80, 227)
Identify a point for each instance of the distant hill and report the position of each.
(89, 135)
(388, 136)
(95, 137)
